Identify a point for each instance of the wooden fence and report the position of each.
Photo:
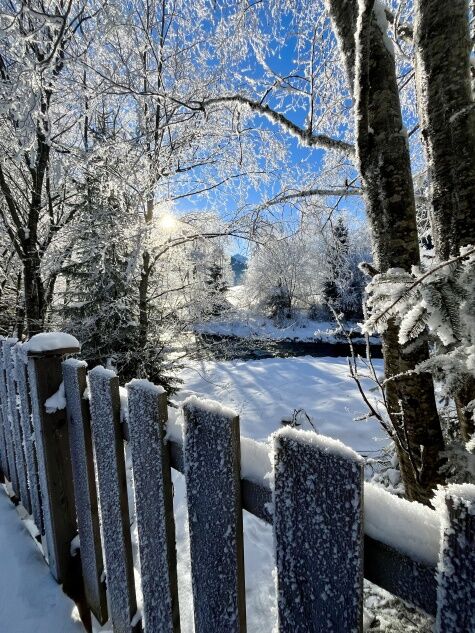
(67, 467)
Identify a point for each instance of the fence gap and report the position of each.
(318, 533)
(212, 472)
(7, 428)
(112, 484)
(456, 573)
(28, 437)
(147, 406)
(82, 459)
(17, 431)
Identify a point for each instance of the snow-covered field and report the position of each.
(263, 392)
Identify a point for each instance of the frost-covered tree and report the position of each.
(283, 274)
(38, 49)
(447, 115)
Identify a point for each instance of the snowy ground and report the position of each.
(263, 392)
(30, 600)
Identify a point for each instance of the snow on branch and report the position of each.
(305, 136)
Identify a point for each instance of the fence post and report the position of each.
(456, 571)
(153, 489)
(7, 428)
(318, 533)
(82, 459)
(28, 436)
(213, 490)
(3, 440)
(17, 431)
(52, 444)
(114, 510)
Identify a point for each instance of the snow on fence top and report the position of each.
(408, 526)
(211, 406)
(146, 385)
(75, 362)
(324, 443)
(50, 341)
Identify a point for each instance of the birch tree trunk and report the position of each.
(384, 164)
(447, 116)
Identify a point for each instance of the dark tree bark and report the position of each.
(384, 164)
(447, 115)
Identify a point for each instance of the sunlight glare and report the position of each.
(167, 222)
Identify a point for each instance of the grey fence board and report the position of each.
(408, 579)
(82, 460)
(28, 437)
(55, 472)
(3, 444)
(154, 506)
(318, 532)
(212, 472)
(456, 578)
(7, 428)
(17, 431)
(112, 484)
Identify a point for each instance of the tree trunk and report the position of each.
(447, 116)
(33, 286)
(384, 165)
(144, 282)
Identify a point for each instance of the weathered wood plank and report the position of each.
(3, 444)
(456, 577)
(17, 431)
(212, 472)
(28, 437)
(7, 428)
(82, 459)
(154, 506)
(54, 464)
(408, 579)
(318, 533)
(114, 510)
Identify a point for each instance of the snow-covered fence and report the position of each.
(308, 487)
(87, 507)
(213, 490)
(112, 485)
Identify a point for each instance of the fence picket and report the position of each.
(3, 440)
(82, 459)
(28, 437)
(17, 431)
(154, 506)
(456, 577)
(213, 490)
(7, 428)
(114, 510)
(318, 532)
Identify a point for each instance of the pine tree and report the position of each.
(217, 288)
(337, 254)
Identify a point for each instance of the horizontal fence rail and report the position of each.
(67, 465)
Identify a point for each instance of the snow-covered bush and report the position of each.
(441, 299)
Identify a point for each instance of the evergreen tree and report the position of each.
(217, 288)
